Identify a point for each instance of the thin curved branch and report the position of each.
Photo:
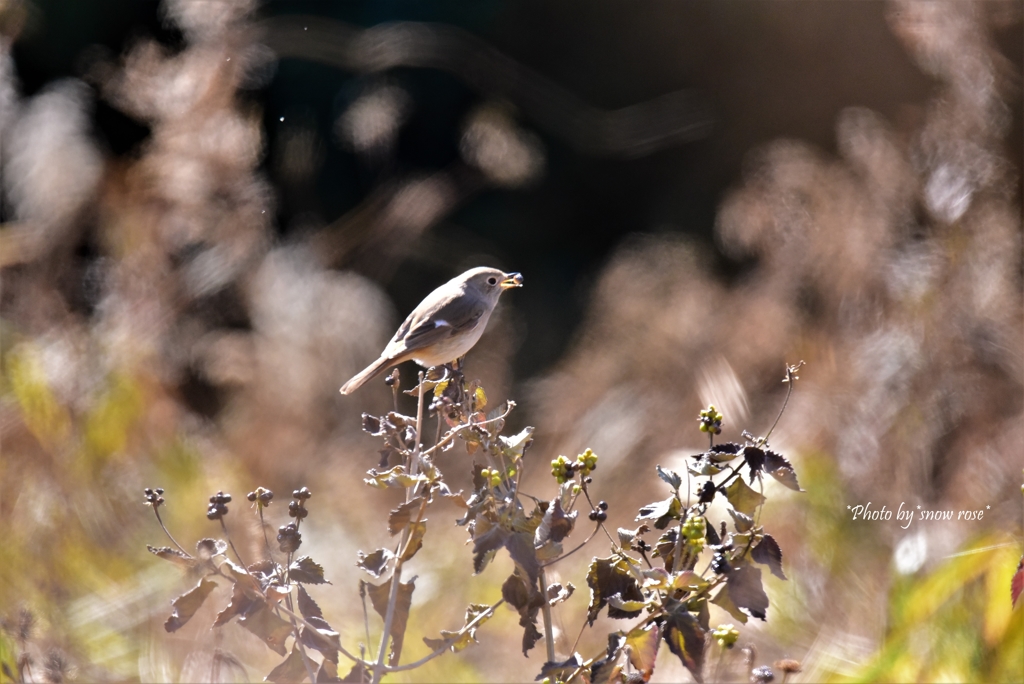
(633, 131)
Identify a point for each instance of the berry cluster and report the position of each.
(726, 635)
(599, 514)
(564, 470)
(493, 476)
(711, 420)
(261, 497)
(693, 529)
(218, 506)
(154, 497)
(289, 538)
(297, 507)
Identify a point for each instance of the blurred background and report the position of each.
(214, 213)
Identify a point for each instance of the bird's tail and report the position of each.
(367, 374)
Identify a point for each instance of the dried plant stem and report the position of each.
(396, 576)
(549, 637)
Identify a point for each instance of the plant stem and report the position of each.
(549, 637)
(396, 575)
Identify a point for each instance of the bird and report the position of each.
(445, 325)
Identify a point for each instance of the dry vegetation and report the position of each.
(894, 268)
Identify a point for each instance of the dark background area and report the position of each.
(769, 70)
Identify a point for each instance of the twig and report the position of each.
(456, 430)
(167, 532)
(549, 637)
(224, 527)
(790, 378)
(396, 575)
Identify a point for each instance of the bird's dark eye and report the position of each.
(492, 281)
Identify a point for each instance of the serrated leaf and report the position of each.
(308, 608)
(754, 458)
(372, 425)
(392, 477)
(722, 453)
(642, 644)
(689, 581)
(605, 670)
(746, 592)
(267, 625)
(618, 603)
(665, 548)
(415, 540)
(379, 596)
(463, 637)
(705, 467)
(742, 521)
(240, 602)
(609, 577)
(515, 446)
(712, 537)
(208, 548)
(769, 553)
(186, 605)
(402, 516)
(557, 593)
(527, 601)
(307, 571)
(781, 469)
(743, 498)
(375, 563)
(174, 555)
(660, 511)
(555, 525)
(560, 671)
(292, 670)
(321, 638)
(520, 547)
(485, 545)
(479, 398)
(671, 478)
(685, 637)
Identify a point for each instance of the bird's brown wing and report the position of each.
(425, 328)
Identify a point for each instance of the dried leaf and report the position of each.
(685, 637)
(746, 592)
(415, 540)
(743, 498)
(555, 525)
(291, 671)
(670, 477)
(769, 553)
(186, 605)
(379, 596)
(609, 577)
(306, 571)
(402, 516)
(560, 671)
(308, 608)
(174, 555)
(606, 670)
(485, 545)
(643, 649)
(267, 625)
(375, 563)
(527, 600)
(782, 470)
(520, 547)
(557, 593)
(461, 638)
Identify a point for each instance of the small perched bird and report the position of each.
(445, 325)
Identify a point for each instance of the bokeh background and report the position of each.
(214, 213)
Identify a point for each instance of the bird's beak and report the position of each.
(512, 280)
